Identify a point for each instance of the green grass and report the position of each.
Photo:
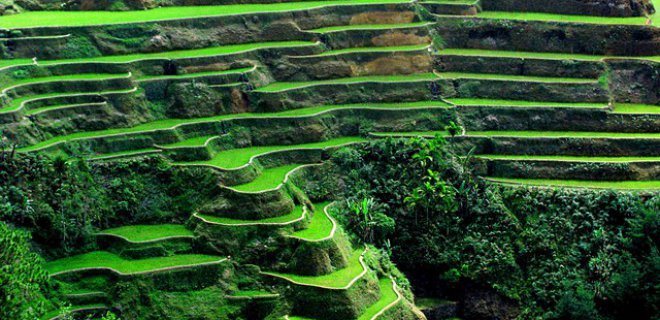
(235, 158)
(293, 215)
(653, 184)
(319, 228)
(337, 280)
(16, 103)
(562, 134)
(82, 18)
(139, 233)
(69, 77)
(252, 293)
(522, 103)
(177, 54)
(87, 106)
(103, 259)
(282, 86)
(195, 75)
(123, 153)
(369, 27)
(387, 296)
(538, 16)
(568, 158)
(268, 179)
(534, 55)
(169, 124)
(299, 318)
(409, 134)
(636, 108)
(506, 77)
(192, 142)
(415, 47)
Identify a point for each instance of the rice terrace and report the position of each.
(329, 160)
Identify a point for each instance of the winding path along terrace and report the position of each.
(166, 55)
(236, 158)
(169, 124)
(534, 55)
(633, 185)
(85, 18)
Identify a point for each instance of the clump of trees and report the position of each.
(559, 254)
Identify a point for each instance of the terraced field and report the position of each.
(263, 93)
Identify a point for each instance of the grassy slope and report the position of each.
(521, 103)
(537, 16)
(293, 215)
(170, 123)
(320, 226)
(177, 54)
(282, 86)
(387, 296)
(532, 55)
(98, 259)
(369, 27)
(636, 108)
(82, 18)
(653, 184)
(195, 75)
(192, 142)
(69, 77)
(235, 158)
(269, 179)
(415, 47)
(506, 77)
(338, 279)
(139, 233)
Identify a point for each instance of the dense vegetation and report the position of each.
(557, 253)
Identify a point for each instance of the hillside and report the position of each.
(264, 159)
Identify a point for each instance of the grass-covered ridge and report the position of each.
(171, 55)
(172, 123)
(236, 158)
(268, 179)
(340, 279)
(144, 233)
(107, 260)
(569, 158)
(322, 226)
(388, 297)
(86, 18)
(283, 86)
(637, 185)
(297, 214)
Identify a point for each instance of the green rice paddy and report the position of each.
(192, 142)
(522, 103)
(415, 47)
(506, 77)
(534, 55)
(320, 227)
(172, 55)
(550, 17)
(269, 179)
(235, 158)
(69, 77)
(141, 233)
(85, 18)
(195, 75)
(569, 158)
(336, 280)
(652, 184)
(283, 86)
(387, 297)
(103, 259)
(292, 216)
(636, 108)
(409, 134)
(168, 124)
(369, 27)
